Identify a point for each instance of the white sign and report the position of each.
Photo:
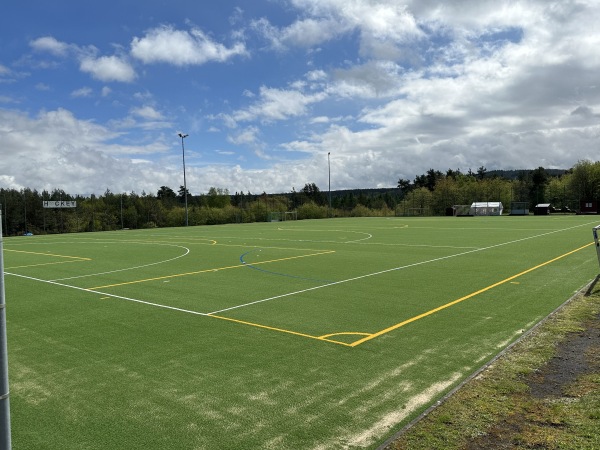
(59, 204)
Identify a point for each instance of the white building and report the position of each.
(486, 209)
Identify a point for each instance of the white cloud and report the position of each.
(103, 68)
(7, 99)
(147, 112)
(375, 79)
(246, 136)
(108, 68)
(51, 45)
(397, 88)
(278, 104)
(76, 155)
(303, 33)
(380, 24)
(182, 48)
(82, 92)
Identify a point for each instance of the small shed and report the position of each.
(588, 207)
(542, 209)
(486, 209)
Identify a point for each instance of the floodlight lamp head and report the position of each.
(181, 135)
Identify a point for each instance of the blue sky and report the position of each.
(94, 94)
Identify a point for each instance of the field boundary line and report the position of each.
(45, 264)
(187, 251)
(462, 299)
(299, 229)
(106, 294)
(371, 336)
(237, 266)
(73, 259)
(281, 330)
(393, 269)
(49, 254)
(323, 338)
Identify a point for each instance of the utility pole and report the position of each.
(183, 136)
(329, 172)
(4, 401)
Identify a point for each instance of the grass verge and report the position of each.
(544, 392)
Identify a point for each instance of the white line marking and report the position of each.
(105, 294)
(187, 251)
(158, 305)
(392, 270)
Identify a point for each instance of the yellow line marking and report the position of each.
(50, 254)
(42, 264)
(325, 336)
(466, 297)
(73, 258)
(281, 330)
(211, 270)
(268, 247)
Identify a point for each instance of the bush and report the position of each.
(362, 211)
(311, 210)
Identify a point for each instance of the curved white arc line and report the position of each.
(369, 236)
(381, 272)
(187, 251)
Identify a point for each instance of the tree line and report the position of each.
(431, 193)
(434, 192)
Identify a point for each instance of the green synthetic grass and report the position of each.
(308, 334)
(497, 410)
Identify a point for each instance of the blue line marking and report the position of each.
(250, 266)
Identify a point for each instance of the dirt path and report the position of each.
(576, 356)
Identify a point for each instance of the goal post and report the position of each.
(274, 216)
(278, 216)
(5, 439)
(403, 211)
(596, 231)
(290, 215)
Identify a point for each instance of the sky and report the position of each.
(275, 94)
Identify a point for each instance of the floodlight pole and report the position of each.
(5, 443)
(329, 171)
(182, 136)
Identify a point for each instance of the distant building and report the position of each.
(486, 209)
(542, 209)
(588, 207)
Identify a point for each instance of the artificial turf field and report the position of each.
(323, 334)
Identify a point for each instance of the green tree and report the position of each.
(218, 198)
(404, 186)
(181, 195)
(166, 196)
(585, 180)
(481, 173)
(314, 194)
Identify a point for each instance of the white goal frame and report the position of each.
(279, 216)
(290, 215)
(596, 231)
